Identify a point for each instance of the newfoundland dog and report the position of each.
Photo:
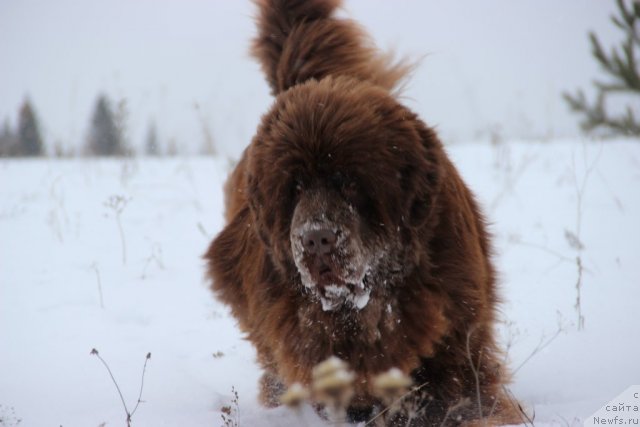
(351, 234)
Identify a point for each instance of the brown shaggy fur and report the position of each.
(338, 148)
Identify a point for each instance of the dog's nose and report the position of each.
(319, 242)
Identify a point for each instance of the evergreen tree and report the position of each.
(105, 136)
(29, 139)
(151, 147)
(121, 116)
(8, 141)
(622, 68)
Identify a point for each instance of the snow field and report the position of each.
(545, 201)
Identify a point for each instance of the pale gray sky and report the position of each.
(491, 64)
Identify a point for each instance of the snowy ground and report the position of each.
(60, 240)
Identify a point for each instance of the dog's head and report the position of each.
(341, 179)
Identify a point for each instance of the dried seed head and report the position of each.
(295, 396)
(329, 367)
(332, 382)
(392, 383)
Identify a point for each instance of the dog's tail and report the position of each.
(300, 40)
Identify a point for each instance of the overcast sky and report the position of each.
(491, 65)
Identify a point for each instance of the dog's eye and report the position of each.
(343, 183)
(355, 196)
(350, 190)
(298, 187)
(337, 180)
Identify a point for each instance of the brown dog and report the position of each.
(350, 233)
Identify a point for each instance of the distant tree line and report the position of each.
(25, 140)
(106, 136)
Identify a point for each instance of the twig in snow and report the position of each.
(117, 204)
(231, 414)
(57, 217)
(126, 409)
(511, 178)
(451, 409)
(155, 256)
(144, 369)
(394, 403)
(94, 267)
(579, 247)
(203, 231)
(516, 240)
(542, 344)
(528, 420)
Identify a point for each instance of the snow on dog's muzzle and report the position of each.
(331, 265)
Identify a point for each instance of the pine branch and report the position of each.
(621, 66)
(629, 68)
(598, 53)
(595, 116)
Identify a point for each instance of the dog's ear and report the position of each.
(424, 178)
(300, 40)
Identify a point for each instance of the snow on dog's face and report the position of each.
(338, 183)
(335, 259)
